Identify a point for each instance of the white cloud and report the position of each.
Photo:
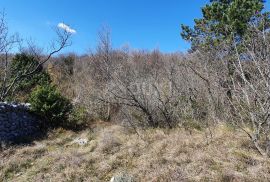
(66, 28)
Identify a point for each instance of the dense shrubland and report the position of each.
(151, 89)
(223, 78)
(196, 116)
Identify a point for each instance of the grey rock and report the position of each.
(122, 177)
(81, 141)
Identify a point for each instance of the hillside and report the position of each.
(157, 155)
(135, 103)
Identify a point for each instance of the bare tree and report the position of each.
(252, 89)
(7, 43)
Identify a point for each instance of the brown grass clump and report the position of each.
(155, 155)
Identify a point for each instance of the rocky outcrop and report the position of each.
(17, 123)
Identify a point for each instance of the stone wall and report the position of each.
(17, 123)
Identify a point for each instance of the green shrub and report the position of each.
(20, 64)
(78, 116)
(47, 102)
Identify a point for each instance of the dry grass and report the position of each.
(155, 155)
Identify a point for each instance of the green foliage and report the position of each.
(47, 102)
(223, 20)
(78, 116)
(21, 64)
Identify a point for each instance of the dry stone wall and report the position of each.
(17, 123)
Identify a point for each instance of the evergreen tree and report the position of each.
(223, 20)
(226, 21)
(20, 64)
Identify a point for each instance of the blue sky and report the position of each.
(142, 24)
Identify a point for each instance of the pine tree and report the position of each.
(222, 20)
(226, 21)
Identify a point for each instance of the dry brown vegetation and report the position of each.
(168, 117)
(199, 116)
(152, 89)
(154, 155)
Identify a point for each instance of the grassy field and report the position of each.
(153, 155)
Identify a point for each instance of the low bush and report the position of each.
(78, 117)
(47, 102)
